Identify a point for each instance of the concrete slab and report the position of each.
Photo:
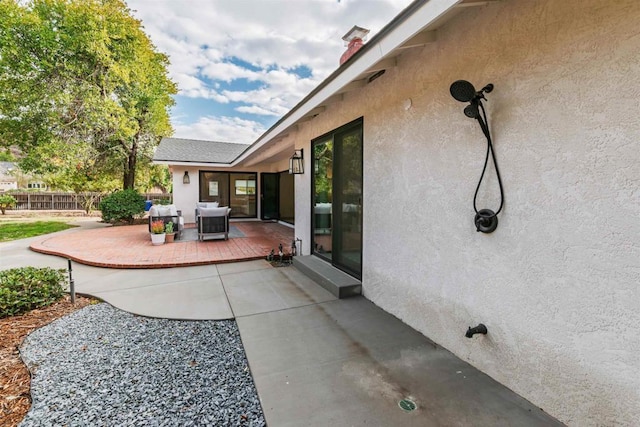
(95, 279)
(347, 362)
(271, 289)
(16, 254)
(240, 267)
(195, 299)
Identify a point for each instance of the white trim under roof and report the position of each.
(195, 164)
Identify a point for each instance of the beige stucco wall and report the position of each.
(558, 283)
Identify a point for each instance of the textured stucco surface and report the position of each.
(558, 283)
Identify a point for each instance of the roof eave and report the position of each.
(418, 17)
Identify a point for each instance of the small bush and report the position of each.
(7, 201)
(26, 288)
(122, 205)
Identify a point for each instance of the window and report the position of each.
(234, 189)
(245, 187)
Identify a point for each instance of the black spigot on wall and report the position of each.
(480, 329)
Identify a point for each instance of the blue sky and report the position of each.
(240, 65)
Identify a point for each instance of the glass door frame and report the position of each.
(329, 137)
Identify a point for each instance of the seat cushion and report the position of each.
(213, 211)
(164, 211)
(208, 205)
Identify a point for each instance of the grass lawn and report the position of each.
(21, 230)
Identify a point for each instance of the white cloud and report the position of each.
(224, 129)
(203, 39)
(194, 87)
(228, 72)
(257, 110)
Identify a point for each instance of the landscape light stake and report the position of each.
(72, 286)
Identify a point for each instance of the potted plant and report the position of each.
(168, 229)
(157, 232)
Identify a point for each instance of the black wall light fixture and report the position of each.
(185, 178)
(486, 220)
(296, 162)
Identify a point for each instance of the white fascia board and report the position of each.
(194, 164)
(419, 21)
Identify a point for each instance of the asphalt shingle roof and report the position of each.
(198, 151)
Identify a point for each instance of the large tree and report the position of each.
(81, 82)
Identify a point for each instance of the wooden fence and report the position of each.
(70, 201)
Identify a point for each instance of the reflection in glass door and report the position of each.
(323, 198)
(337, 201)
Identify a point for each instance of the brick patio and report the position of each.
(130, 246)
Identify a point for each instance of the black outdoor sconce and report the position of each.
(185, 178)
(296, 162)
(486, 220)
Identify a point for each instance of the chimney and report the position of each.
(354, 40)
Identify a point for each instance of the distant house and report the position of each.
(12, 178)
(8, 179)
(391, 165)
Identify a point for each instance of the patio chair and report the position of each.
(203, 205)
(212, 222)
(167, 214)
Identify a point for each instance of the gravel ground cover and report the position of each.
(104, 367)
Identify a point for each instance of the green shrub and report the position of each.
(122, 205)
(7, 201)
(26, 288)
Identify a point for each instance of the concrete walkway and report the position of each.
(316, 361)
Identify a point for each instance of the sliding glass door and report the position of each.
(337, 197)
(234, 189)
(277, 196)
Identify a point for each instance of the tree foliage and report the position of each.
(83, 91)
(6, 201)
